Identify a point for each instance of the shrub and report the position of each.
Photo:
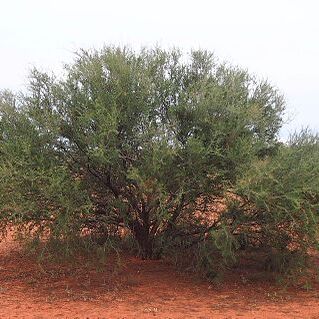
(148, 141)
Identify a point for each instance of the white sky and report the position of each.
(275, 39)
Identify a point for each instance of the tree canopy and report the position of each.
(152, 141)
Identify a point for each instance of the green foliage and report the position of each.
(278, 204)
(144, 142)
(37, 190)
(285, 192)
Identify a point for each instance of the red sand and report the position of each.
(142, 289)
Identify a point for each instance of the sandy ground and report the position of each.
(140, 289)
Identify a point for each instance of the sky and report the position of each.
(276, 40)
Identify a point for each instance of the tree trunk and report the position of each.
(144, 239)
(146, 248)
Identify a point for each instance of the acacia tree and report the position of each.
(138, 140)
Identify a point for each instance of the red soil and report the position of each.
(140, 289)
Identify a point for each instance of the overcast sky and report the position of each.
(274, 39)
